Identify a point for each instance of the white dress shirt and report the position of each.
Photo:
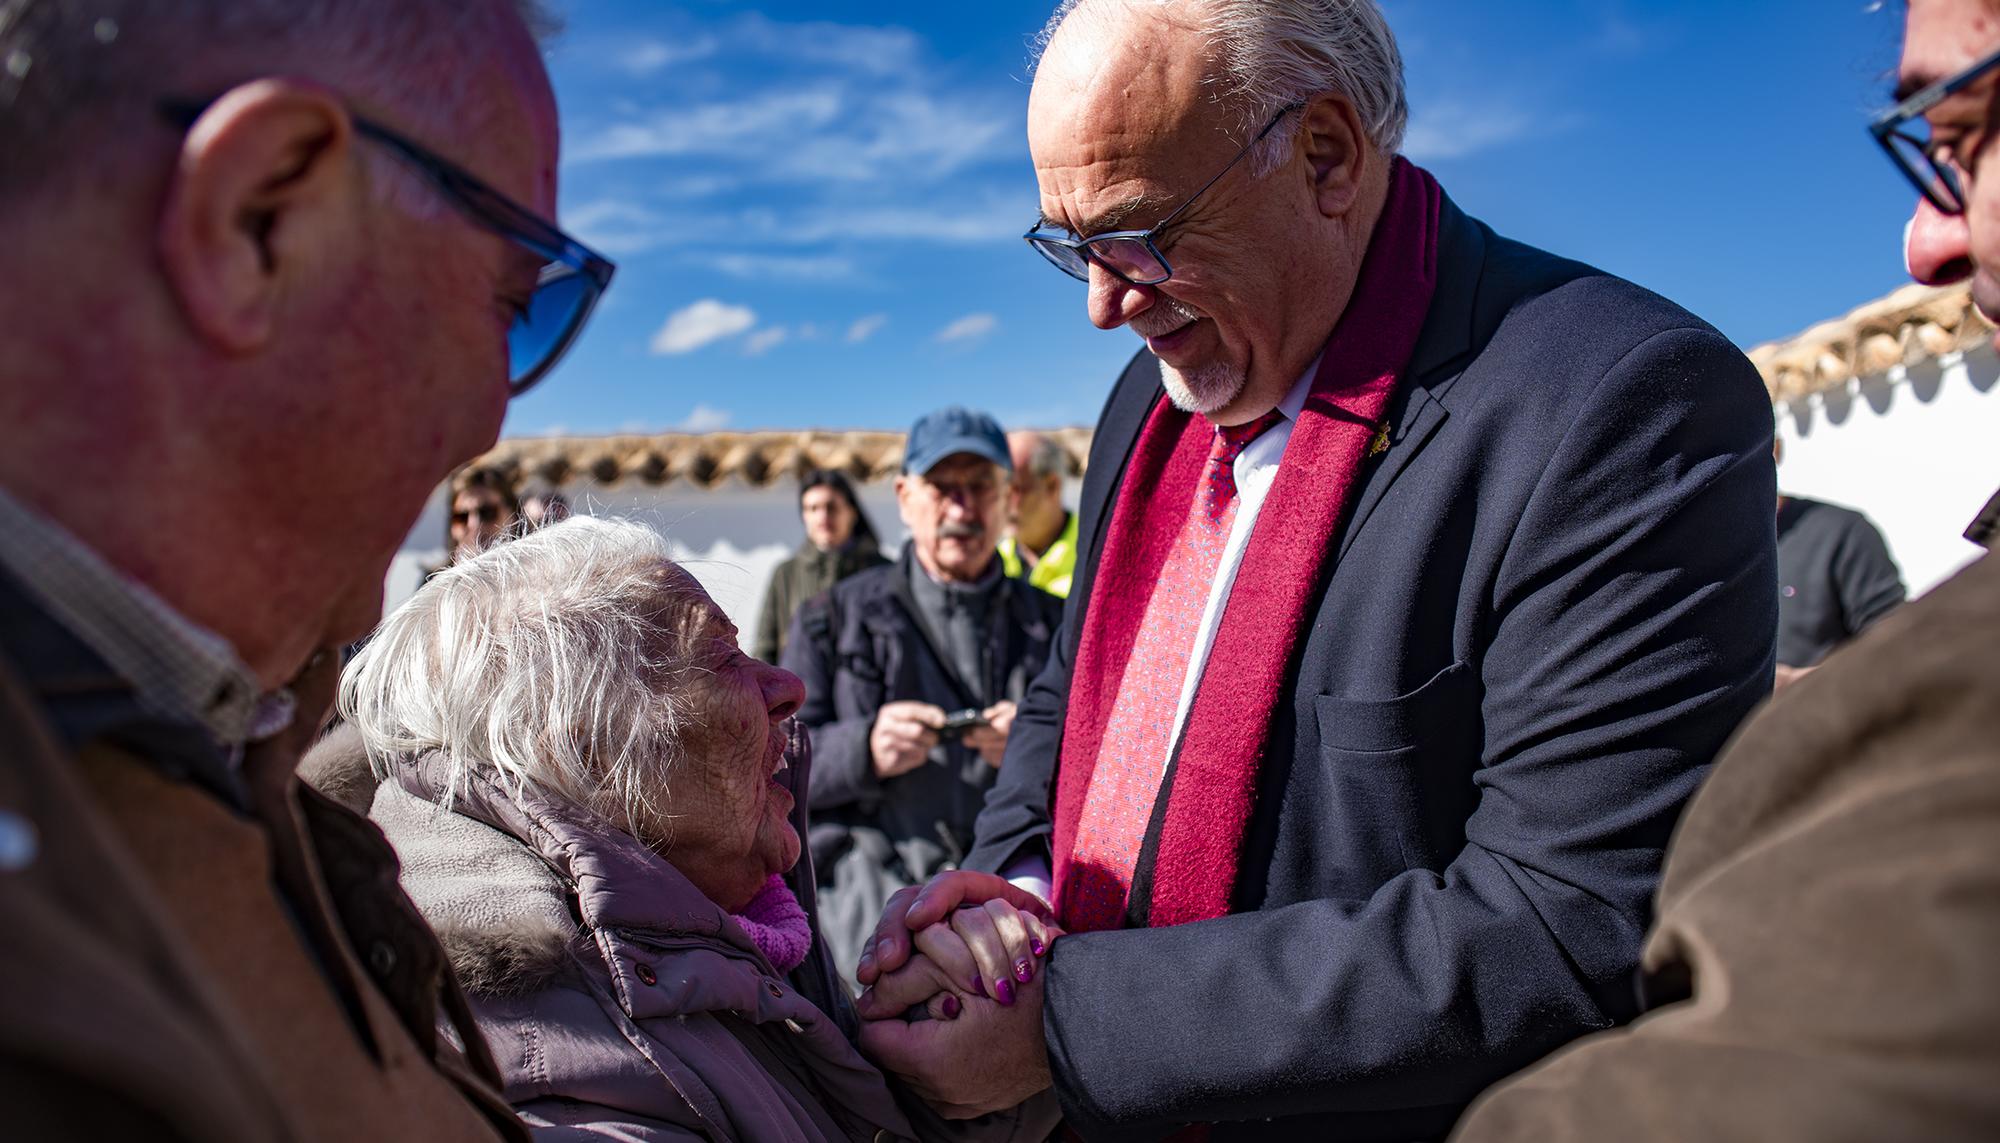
(1256, 471)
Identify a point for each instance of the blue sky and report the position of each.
(816, 208)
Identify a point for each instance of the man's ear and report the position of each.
(902, 499)
(261, 182)
(1338, 153)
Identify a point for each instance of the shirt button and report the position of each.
(381, 957)
(19, 842)
(774, 990)
(646, 974)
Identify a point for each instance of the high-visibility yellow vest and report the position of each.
(1054, 570)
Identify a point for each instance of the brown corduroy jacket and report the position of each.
(172, 967)
(1829, 918)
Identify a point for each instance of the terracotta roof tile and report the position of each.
(705, 460)
(1910, 325)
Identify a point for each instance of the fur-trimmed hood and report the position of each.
(517, 882)
(501, 913)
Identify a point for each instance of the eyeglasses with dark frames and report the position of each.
(1905, 134)
(1132, 256)
(573, 277)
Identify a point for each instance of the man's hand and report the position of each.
(989, 1059)
(991, 740)
(903, 736)
(910, 910)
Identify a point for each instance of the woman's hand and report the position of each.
(916, 908)
(993, 947)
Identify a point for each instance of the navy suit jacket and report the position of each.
(1554, 598)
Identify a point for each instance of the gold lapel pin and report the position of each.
(1380, 444)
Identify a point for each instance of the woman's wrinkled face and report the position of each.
(731, 813)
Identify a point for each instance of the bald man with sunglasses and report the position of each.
(274, 268)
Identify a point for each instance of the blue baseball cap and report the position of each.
(955, 430)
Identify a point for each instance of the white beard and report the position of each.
(1206, 389)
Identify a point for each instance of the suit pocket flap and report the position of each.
(1376, 725)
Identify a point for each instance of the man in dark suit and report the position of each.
(1423, 574)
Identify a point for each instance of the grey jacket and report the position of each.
(618, 1000)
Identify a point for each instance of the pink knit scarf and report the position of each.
(777, 925)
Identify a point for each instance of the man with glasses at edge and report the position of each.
(275, 267)
(1822, 967)
(1423, 574)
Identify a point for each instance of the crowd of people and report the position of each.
(1381, 748)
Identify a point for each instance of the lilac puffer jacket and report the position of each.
(619, 1001)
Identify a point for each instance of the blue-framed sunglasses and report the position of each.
(1131, 256)
(572, 278)
(1905, 134)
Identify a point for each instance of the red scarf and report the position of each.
(1289, 558)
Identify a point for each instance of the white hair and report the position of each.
(573, 658)
(1270, 54)
(68, 68)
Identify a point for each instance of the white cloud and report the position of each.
(702, 323)
(652, 55)
(871, 50)
(744, 127)
(705, 419)
(765, 340)
(971, 327)
(840, 130)
(616, 227)
(865, 328)
(784, 268)
(1449, 129)
(698, 186)
(999, 219)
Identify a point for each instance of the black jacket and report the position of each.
(1554, 599)
(862, 645)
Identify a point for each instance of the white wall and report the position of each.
(730, 536)
(1917, 450)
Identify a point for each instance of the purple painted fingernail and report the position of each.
(978, 986)
(950, 1007)
(1003, 991)
(1036, 946)
(1024, 970)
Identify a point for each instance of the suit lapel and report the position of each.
(1448, 338)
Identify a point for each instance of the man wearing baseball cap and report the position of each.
(912, 672)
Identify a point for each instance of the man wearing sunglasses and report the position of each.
(274, 268)
(1423, 573)
(1822, 964)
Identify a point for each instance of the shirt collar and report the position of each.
(177, 668)
(1295, 400)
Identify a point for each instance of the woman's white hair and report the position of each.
(1269, 54)
(571, 658)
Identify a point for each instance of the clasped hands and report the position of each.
(968, 947)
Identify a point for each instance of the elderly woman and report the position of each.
(593, 792)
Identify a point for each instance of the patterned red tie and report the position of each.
(1133, 758)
